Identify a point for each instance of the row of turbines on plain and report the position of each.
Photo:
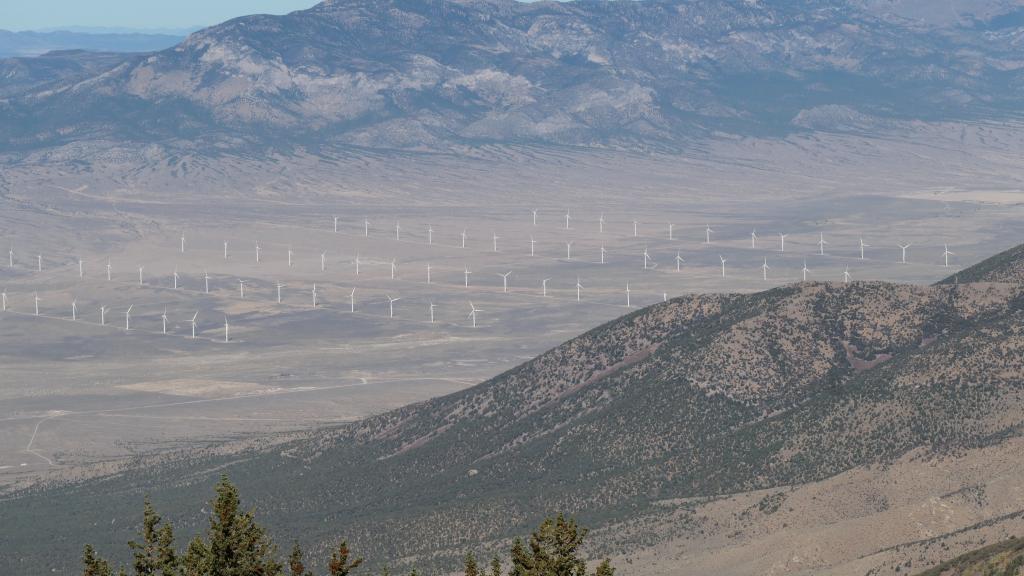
(648, 261)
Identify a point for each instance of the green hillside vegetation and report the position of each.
(1001, 559)
(694, 399)
(236, 545)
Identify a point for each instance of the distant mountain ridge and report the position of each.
(32, 43)
(426, 74)
(656, 414)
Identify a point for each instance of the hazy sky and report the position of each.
(164, 14)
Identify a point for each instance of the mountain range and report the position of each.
(430, 74)
(34, 43)
(708, 426)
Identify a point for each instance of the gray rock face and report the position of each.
(433, 73)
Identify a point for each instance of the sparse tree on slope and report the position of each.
(554, 550)
(296, 563)
(469, 565)
(93, 565)
(340, 565)
(495, 566)
(605, 568)
(236, 546)
(154, 556)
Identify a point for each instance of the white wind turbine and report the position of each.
(821, 243)
(279, 286)
(428, 272)
(257, 252)
(863, 245)
(627, 296)
(81, 269)
(39, 262)
(398, 231)
(463, 235)
(504, 281)
(635, 232)
(600, 224)
(579, 288)
(335, 224)
(366, 228)
(472, 312)
(10, 257)
(722, 258)
(805, 270)
(568, 250)
(946, 254)
(466, 276)
(227, 329)
(182, 242)
(764, 269)
(391, 306)
(140, 274)
(3, 295)
(175, 276)
(314, 295)
(289, 256)
(194, 325)
(128, 317)
(323, 261)
(544, 287)
(753, 239)
(903, 250)
(534, 217)
(495, 236)
(394, 268)
(163, 318)
(357, 264)
(225, 249)
(533, 244)
(108, 269)
(74, 310)
(103, 315)
(352, 301)
(432, 306)
(603, 254)
(649, 263)
(241, 289)
(430, 234)
(782, 242)
(707, 234)
(567, 218)
(846, 275)
(206, 282)
(37, 300)
(679, 262)
(671, 227)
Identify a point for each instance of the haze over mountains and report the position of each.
(437, 73)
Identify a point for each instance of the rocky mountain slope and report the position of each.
(644, 427)
(436, 73)
(1001, 559)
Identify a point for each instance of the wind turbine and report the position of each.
(764, 269)
(103, 315)
(635, 224)
(946, 254)
(314, 295)
(206, 281)
(846, 275)
(504, 281)
(257, 252)
(81, 269)
(279, 286)
(108, 269)
(722, 258)
(128, 317)
(805, 270)
(472, 312)
(670, 234)
(567, 218)
(707, 234)
(227, 329)
(568, 250)
(352, 301)
(194, 325)
(432, 306)
(496, 242)
(603, 253)
(10, 257)
(753, 239)
(366, 228)
(679, 261)
(163, 317)
(648, 260)
(600, 223)
(39, 262)
(335, 224)
(241, 289)
(175, 278)
(534, 217)
(225, 249)
(3, 295)
(74, 310)
(463, 238)
(357, 264)
(466, 274)
(428, 273)
(533, 244)
(323, 261)
(394, 268)
(863, 245)
(782, 242)
(821, 243)
(140, 274)
(391, 306)
(903, 256)
(398, 231)
(627, 296)
(579, 287)
(182, 242)
(289, 256)
(430, 234)
(36, 296)
(544, 287)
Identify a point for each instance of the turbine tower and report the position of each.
(903, 255)
(225, 249)
(140, 274)
(821, 243)
(495, 236)
(352, 301)
(289, 256)
(533, 244)
(241, 289)
(39, 262)
(227, 330)
(279, 286)
(128, 317)
(635, 224)
(472, 312)
(568, 250)
(314, 295)
(3, 296)
(946, 254)
(600, 224)
(544, 287)
(182, 242)
(846, 275)
(175, 275)
(428, 273)
(782, 242)
(805, 270)
(206, 282)
(707, 234)
(257, 252)
(366, 228)
(394, 268)
(567, 218)
(534, 217)
(398, 231)
(722, 258)
(430, 234)
(504, 281)
(163, 318)
(74, 310)
(764, 269)
(323, 261)
(103, 315)
(627, 296)
(432, 306)
(391, 306)
(108, 269)
(194, 325)
(670, 234)
(463, 238)
(863, 245)
(579, 288)
(753, 239)
(81, 269)
(37, 300)
(335, 224)
(466, 279)
(679, 262)
(357, 264)
(603, 253)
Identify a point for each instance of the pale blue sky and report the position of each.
(160, 14)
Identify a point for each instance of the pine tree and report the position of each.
(154, 556)
(237, 545)
(605, 568)
(522, 562)
(195, 563)
(340, 565)
(296, 563)
(495, 566)
(93, 565)
(554, 550)
(469, 563)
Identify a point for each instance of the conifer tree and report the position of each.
(605, 568)
(93, 565)
(469, 564)
(296, 563)
(340, 565)
(522, 562)
(154, 556)
(194, 563)
(237, 545)
(495, 566)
